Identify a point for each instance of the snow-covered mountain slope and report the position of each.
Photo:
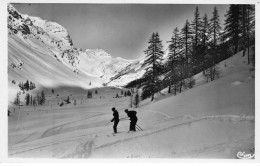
(101, 64)
(129, 73)
(132, 71)
(211, 120)
(42, 51)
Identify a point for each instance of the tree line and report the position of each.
(197, 47)
(39, 99)
(27, 85)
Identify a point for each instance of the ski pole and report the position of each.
(139, 126)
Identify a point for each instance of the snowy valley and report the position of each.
(213, 119)
(43, 52)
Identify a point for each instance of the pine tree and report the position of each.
(186, 41)
(32, 85)
(153, 60)
(26, 85)
(52, 91)
(42, 98)
(129, 93)
(89, 94)
(247, 20)
(17, 99)
(68, 100)
(21, 85)
(244, 28)
(205, 41)
(31, 100)
(196, 26)
(27, 99)
(214, 28)
(173, 61)
(215, 36)
(250, 30)
(186, 44)
(136, 98)
(232, 25)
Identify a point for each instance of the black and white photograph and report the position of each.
(116, 80)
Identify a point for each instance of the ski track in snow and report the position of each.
(221, 118)
(85, 149)
(218, 147)
(55, 130)
(50, 131)
(172, 117)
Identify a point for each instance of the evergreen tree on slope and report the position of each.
(232, 25)
(154, 54)
(186, 49)
(205, 41)
(174, 61)
(196, 28)
(17, 99)
(247, 20)
(214, 38)
(215, 28)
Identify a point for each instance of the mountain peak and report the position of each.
(42, 51)
(98, 53)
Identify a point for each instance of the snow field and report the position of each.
(211, 120)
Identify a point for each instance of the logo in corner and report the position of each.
(244, 155)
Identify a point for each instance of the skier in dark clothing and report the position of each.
(115, 119)
(133, 119)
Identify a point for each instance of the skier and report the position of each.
(115, 119)
(133, 119)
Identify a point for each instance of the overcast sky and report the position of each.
(122, 30)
